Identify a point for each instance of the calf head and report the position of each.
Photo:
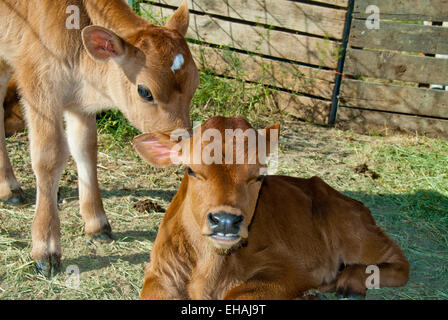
(225, 164)
(150, 71)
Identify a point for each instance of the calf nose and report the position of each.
(225, 223)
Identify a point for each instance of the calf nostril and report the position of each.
(213, 220)
(237, 221)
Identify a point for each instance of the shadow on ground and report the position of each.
(428, 205)
(70, 194)
(418, 222)
(95, 262)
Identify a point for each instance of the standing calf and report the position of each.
(231, 233)
(114, 59)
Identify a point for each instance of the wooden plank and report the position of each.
(395, 66)
(302, 107)
(301, 17)
(385, 97)
(400, 37)
(306, 108)
(252, 68)
(316, 51)
(339, 3)
(412, 10)
(366, 120)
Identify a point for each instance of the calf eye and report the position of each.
(145, 93)
(191, 172)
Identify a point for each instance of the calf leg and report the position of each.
(153, 289)
(48, 154)
(10, 190)
(82, 140)
(377, 250)
(264, 286)
(269, 290)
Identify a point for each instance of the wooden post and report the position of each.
(337, 86)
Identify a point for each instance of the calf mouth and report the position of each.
(225, 241)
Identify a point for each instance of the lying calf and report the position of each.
(231, 233)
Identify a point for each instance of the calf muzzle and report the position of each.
(224, 224)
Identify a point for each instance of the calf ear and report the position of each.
(272, 134)
(158, 150)
(180, 20)
(103, 44)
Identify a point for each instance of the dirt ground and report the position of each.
(405, 185)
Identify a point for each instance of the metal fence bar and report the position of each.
(341, 62)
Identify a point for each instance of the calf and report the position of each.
(71, 59)
(231, 233)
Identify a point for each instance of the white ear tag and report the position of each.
(177, 63)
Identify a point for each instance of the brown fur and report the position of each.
(302, 235)
(70, 74)
(14, 121)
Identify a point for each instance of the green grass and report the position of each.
(114, 123)
(220, 96)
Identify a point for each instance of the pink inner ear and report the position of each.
(160, 150)
(103, 45)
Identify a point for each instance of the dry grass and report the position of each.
(409, 200)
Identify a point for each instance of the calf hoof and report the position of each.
(103, 237)
(49, 268)
(349, 294)
(316, 296)
(17, 198)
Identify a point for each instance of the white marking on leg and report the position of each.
(43, 248)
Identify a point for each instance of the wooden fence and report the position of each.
(389, 69)
(294, 47)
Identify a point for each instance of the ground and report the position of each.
(408, 197)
